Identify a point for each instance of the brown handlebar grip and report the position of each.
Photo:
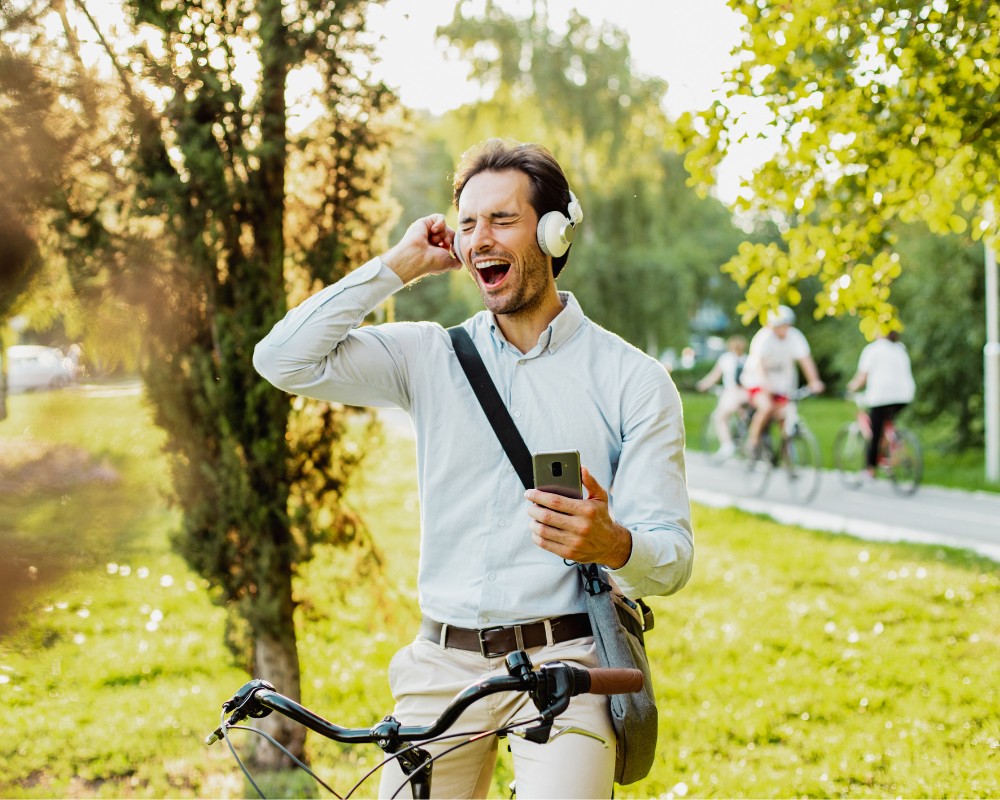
(615, 681)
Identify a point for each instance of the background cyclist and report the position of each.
(727, 369)
(770, 375)
(884, 371)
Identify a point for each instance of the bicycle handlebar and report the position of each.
(550, 687)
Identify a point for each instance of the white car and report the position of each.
(35, 367)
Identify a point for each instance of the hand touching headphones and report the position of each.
(554, 233)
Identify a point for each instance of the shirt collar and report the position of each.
(557, 333)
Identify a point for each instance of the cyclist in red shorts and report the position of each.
(770, 375)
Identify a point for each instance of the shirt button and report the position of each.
(521, 362)
(517, 413)
(492, 576)
(501, 523)
(510, 468)
(486, 619)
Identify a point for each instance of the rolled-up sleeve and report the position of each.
(650, 495)
(318, 350)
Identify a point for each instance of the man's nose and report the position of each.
(482, 238)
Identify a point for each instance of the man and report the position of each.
(727, 369)
(491, 555)
(884, 371)
(770, 375)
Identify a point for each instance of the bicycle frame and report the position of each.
(889, 437)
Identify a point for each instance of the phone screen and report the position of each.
(558, 473)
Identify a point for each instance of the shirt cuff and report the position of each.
(641, 561)
(372, 284)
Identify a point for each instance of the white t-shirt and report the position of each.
(771, 361)
(729, 363)
(888, 369)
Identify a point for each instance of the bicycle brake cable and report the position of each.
(400, 752)
(432, 759)
(225, 735)
(283, 750)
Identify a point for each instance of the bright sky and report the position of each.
(685, 42)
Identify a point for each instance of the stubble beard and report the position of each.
(528, 295)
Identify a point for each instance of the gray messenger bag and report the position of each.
(619, 623)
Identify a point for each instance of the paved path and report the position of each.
(933, 515)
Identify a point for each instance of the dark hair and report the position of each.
(893, 336)
(549, 187)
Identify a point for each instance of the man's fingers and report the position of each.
(551, 539)
(594, 490)
(554, 519)
(567, 505)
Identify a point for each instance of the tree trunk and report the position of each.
(277, 661)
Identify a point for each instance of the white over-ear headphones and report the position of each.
(554, 233)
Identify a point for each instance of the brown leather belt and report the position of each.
(501, 640)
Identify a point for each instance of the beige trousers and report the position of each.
(424, 679)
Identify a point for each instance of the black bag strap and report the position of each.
(489, 398)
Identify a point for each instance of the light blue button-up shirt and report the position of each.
(580, 388)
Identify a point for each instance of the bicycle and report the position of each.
(899, 454)
(794, 447)
(550, 688)
(739, 425)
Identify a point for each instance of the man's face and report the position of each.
(781, 331)
(497, 225)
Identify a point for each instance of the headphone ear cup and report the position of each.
(554, 234)
(456, 248)
(540, 234)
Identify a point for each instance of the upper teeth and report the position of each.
(485, 264)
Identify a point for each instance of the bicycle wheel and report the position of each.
(757, 466)
(802, 461)
(850, 450)
(906, 462)
(709, 435)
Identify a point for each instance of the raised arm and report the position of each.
(319, 350)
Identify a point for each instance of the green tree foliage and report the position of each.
(36, 138)
(941, 295)
(649, 247)
(57, 135)
(210, 220)
(884, 113)
(942, 298)
(422, 170)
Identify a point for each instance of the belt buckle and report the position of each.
(482, 641)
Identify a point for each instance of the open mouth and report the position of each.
(493, 272)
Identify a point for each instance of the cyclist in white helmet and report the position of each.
(770, 375)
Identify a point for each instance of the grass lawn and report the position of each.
(795, 663)
(942, 467)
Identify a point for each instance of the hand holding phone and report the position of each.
(565, 523)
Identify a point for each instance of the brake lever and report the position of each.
(243, 705)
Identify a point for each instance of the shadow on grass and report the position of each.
(61, 511)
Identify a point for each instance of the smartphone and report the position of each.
(558, 473)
